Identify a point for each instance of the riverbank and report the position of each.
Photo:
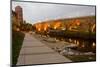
(82, 58)
(72, 34)
(59, 46)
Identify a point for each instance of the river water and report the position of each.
(82, 44)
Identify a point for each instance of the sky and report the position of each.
(36, 12)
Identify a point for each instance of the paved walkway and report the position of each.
(35, 52)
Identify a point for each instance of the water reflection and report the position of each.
(83, 45)
(93, 44)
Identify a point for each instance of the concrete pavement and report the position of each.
(35, 52)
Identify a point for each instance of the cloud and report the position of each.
(34, 12)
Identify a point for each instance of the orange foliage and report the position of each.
(45, 26)
(57, 25)
(77, 22)
(38, 27)
(42, 26)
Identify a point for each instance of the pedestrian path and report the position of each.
(35, 52)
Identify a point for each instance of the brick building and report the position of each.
(17, 18)
(19, 14)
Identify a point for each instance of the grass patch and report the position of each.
(82, 58)
(17, 40)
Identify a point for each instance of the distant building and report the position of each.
(17, 18)
(19, 13)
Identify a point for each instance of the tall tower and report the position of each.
(19, 13)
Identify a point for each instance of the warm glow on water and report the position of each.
(70, 40)
(93, 44)
(77, 42)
